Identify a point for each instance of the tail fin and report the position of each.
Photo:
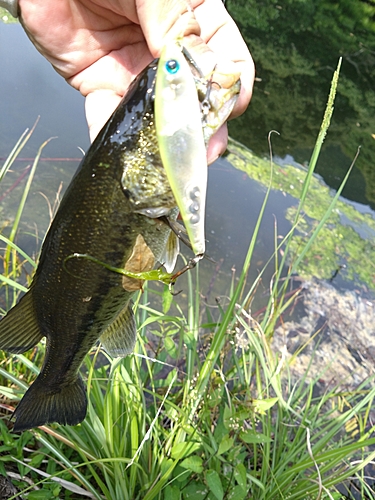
(19, 329)
(41, 405)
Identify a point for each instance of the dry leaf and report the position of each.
(142, 259)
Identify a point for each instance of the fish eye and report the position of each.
(172, 66)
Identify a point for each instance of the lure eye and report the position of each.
(172, 66)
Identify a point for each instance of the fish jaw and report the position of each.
(178, 122)
(218, 92)
(219, 103)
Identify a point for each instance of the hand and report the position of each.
(99, 46)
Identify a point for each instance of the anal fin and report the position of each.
(119, 338)
(19, 329)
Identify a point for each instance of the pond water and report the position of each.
(296, 46)
(344, 253)
(30, 88)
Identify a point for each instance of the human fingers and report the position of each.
(162, 19)
(99, 106)
(209, 33)
(218, 144)
(220, 33)
(74, 35)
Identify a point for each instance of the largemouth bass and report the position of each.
(114, 210)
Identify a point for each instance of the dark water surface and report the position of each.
(30, 88)
(296, 47)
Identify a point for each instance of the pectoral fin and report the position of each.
(170, 253)
(19, 329)
(181, 233)
(119, 338)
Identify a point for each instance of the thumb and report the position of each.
(99, 106)
(160, 19)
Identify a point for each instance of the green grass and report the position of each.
(202, 410)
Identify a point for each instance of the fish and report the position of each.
(116, 209)
(183, 129)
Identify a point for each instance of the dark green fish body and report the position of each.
(73, 302)
(110, 212)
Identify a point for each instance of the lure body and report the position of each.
(178, 120)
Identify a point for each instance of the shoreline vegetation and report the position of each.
(346, 242)
(206, 407)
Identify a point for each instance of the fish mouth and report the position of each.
(221, 102)
(217, 93)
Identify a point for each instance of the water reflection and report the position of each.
(296, 46)
(30, 88)
(339, 245)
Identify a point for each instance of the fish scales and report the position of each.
(72, 301)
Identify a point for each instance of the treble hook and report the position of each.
(190, 265)
(206, 106)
